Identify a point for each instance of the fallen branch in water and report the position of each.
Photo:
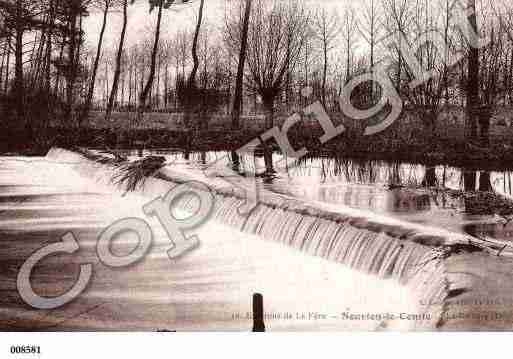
(130, 174)
(134, 174)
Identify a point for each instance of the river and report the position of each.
(208, 289)
(211, 287)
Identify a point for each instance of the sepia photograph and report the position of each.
(255, 166)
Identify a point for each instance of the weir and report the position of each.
(417, 258)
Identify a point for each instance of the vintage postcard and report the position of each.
(255, 165)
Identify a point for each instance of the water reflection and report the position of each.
(392, 188)
(499, 229)
(326, 170)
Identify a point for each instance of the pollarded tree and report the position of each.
(276, 36)
(427, 96)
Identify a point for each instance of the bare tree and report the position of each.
(426, 97)
(146, 89)
(371, 30)
(149, 83)
(350, 27)
(473, 77)
(398, 20)
(327, 28)
(192, 76)
(237, 100)
(493, 73)
(276, 37)
(117, 71)
(75, 14)
(105, 6)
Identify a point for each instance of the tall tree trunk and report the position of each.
(324, 73)
(7, 66)
(58, 77)
(473, 78)
(166, 86)
(195, 59)
(485, 185)
(123, 79)
(149, 83)
(237, 101)
(430, 179)
(176, 83)
(157, 87)
(4, 55)
(305, 100)
(117, 72)
(191, 82)
(48, 65)
(348, 60)
(399, 67)
(509, 90)
(90, 93)
(372, 67)
(268, 159)
(130, 88)
(372, 45)
(19, 89)
(268, 102)
(37, 58)
(446, 55)
(469, 181)
(71, 70)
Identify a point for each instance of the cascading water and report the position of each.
(412, 259)
(417, 266)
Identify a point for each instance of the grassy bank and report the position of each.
(385, 146)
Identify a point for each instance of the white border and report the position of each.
(261, 345)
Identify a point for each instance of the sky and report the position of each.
(141, 23)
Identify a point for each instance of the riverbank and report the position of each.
(431, 151)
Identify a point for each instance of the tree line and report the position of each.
(257, 58)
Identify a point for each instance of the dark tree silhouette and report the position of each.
(117, 71)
